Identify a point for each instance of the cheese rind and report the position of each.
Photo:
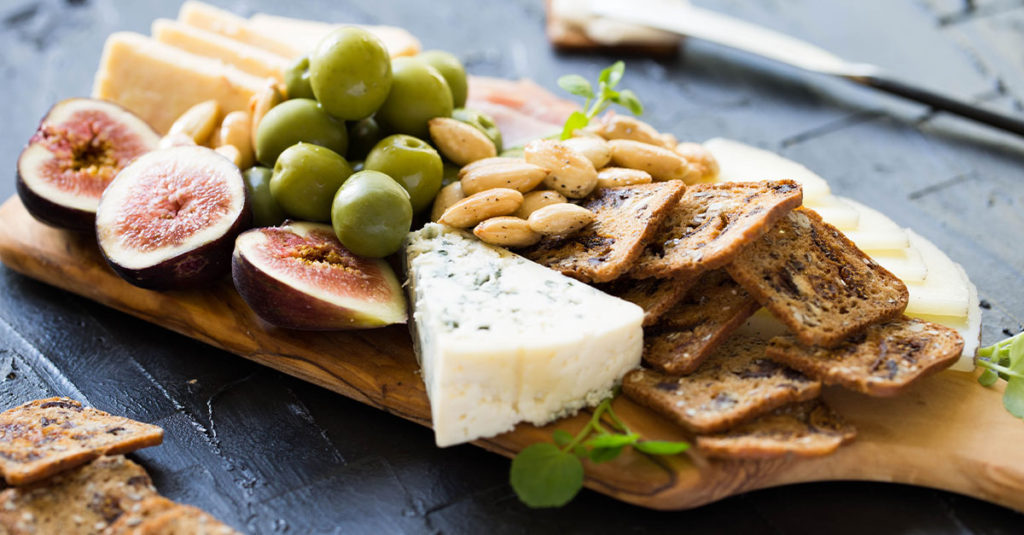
(159, 82)
(247, 58)
(502, 340)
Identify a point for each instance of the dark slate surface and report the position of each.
(271, 454)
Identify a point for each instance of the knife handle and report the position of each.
(942, 102)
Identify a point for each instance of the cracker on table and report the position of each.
(712, 223)
(805, 429)
(626, 219)
(655, 296)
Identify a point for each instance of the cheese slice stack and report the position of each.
(503, 340)
(940, 290)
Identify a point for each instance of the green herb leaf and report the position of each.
(612, 75)
(1013, 397)
(600, 455)
(988, 377)
(661, 447)
(1015, 350)
(562, 437)
(612, 441)
(545, 476)
(576, 85)
(628, 99)
(575, 121)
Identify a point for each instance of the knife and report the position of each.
(684, 19)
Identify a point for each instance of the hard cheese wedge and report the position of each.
(307, 33)
(228, 24)
(158, 82)
(503, 340)
(248, 58)
(739, 162)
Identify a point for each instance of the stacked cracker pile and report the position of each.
(700, 259)
(69, 476)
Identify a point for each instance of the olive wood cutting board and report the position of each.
(947, 432)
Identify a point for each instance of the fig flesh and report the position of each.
(169, 219)
(77, 150)
(299, 276)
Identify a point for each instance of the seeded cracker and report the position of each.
(46, 436)
(816, 281)
(882, 361)
(626, 219)
(655, 296)
(806, 429)
(84, 500)
(711, 223)
(689, 331)
(157, 515)
(736, 383)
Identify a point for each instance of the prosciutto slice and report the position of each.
(522, 109)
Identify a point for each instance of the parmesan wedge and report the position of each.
(247, 58)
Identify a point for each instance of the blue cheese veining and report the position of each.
(503, 340)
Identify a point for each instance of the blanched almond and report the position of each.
(486, 161)
(449, 195)
(260, 104)
(198, 122)
(231, 152)
(614, 126)
(595, 148)
(506, 231)
(538, 199)
(460, 142)
(504, 173)
(703, 165)
(612, 177)
(234, 131)
(569, 172)
(484, 205)
(560, 219)
(661, 163)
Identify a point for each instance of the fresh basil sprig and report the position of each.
(598, 101)
(550, 475)
(1005, 360)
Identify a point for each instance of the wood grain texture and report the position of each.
(947, 432)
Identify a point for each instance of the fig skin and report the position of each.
(193, 268)
(281, 304)
(59, 215)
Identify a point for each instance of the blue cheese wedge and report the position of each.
(502, 340)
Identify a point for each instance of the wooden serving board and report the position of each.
(948, 432)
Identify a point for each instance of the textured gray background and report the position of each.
(270, 454)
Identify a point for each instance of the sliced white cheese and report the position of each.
(907, 264)
(306, 34)
(875, 231)
(739, 162)
(228, 24)
(502, 340)
(836, 212)
(247, 58)
(944, 292)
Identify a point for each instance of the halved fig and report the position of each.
(77, 150)
(299, 276)
(169, 220)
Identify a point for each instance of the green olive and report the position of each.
(453, 71)
(265, 210)
(480, 121)
(362, 136)
(296, 79)
(371, 214)
(412, 163)
(418, 94)
(305, 180)
(350, 71)
(296, 120)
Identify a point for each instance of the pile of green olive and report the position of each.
(348, 145)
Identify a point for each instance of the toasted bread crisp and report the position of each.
(655, 296)
(712, 223)
(695, 326)
(736, 383)
(881, 361)
(805, 429)
(84, 500)
(816, 281)
(157, 515)
(46, 436)
(626, 219)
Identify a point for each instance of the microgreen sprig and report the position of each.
(550, 475)
(1005, 360)
(597, 102)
